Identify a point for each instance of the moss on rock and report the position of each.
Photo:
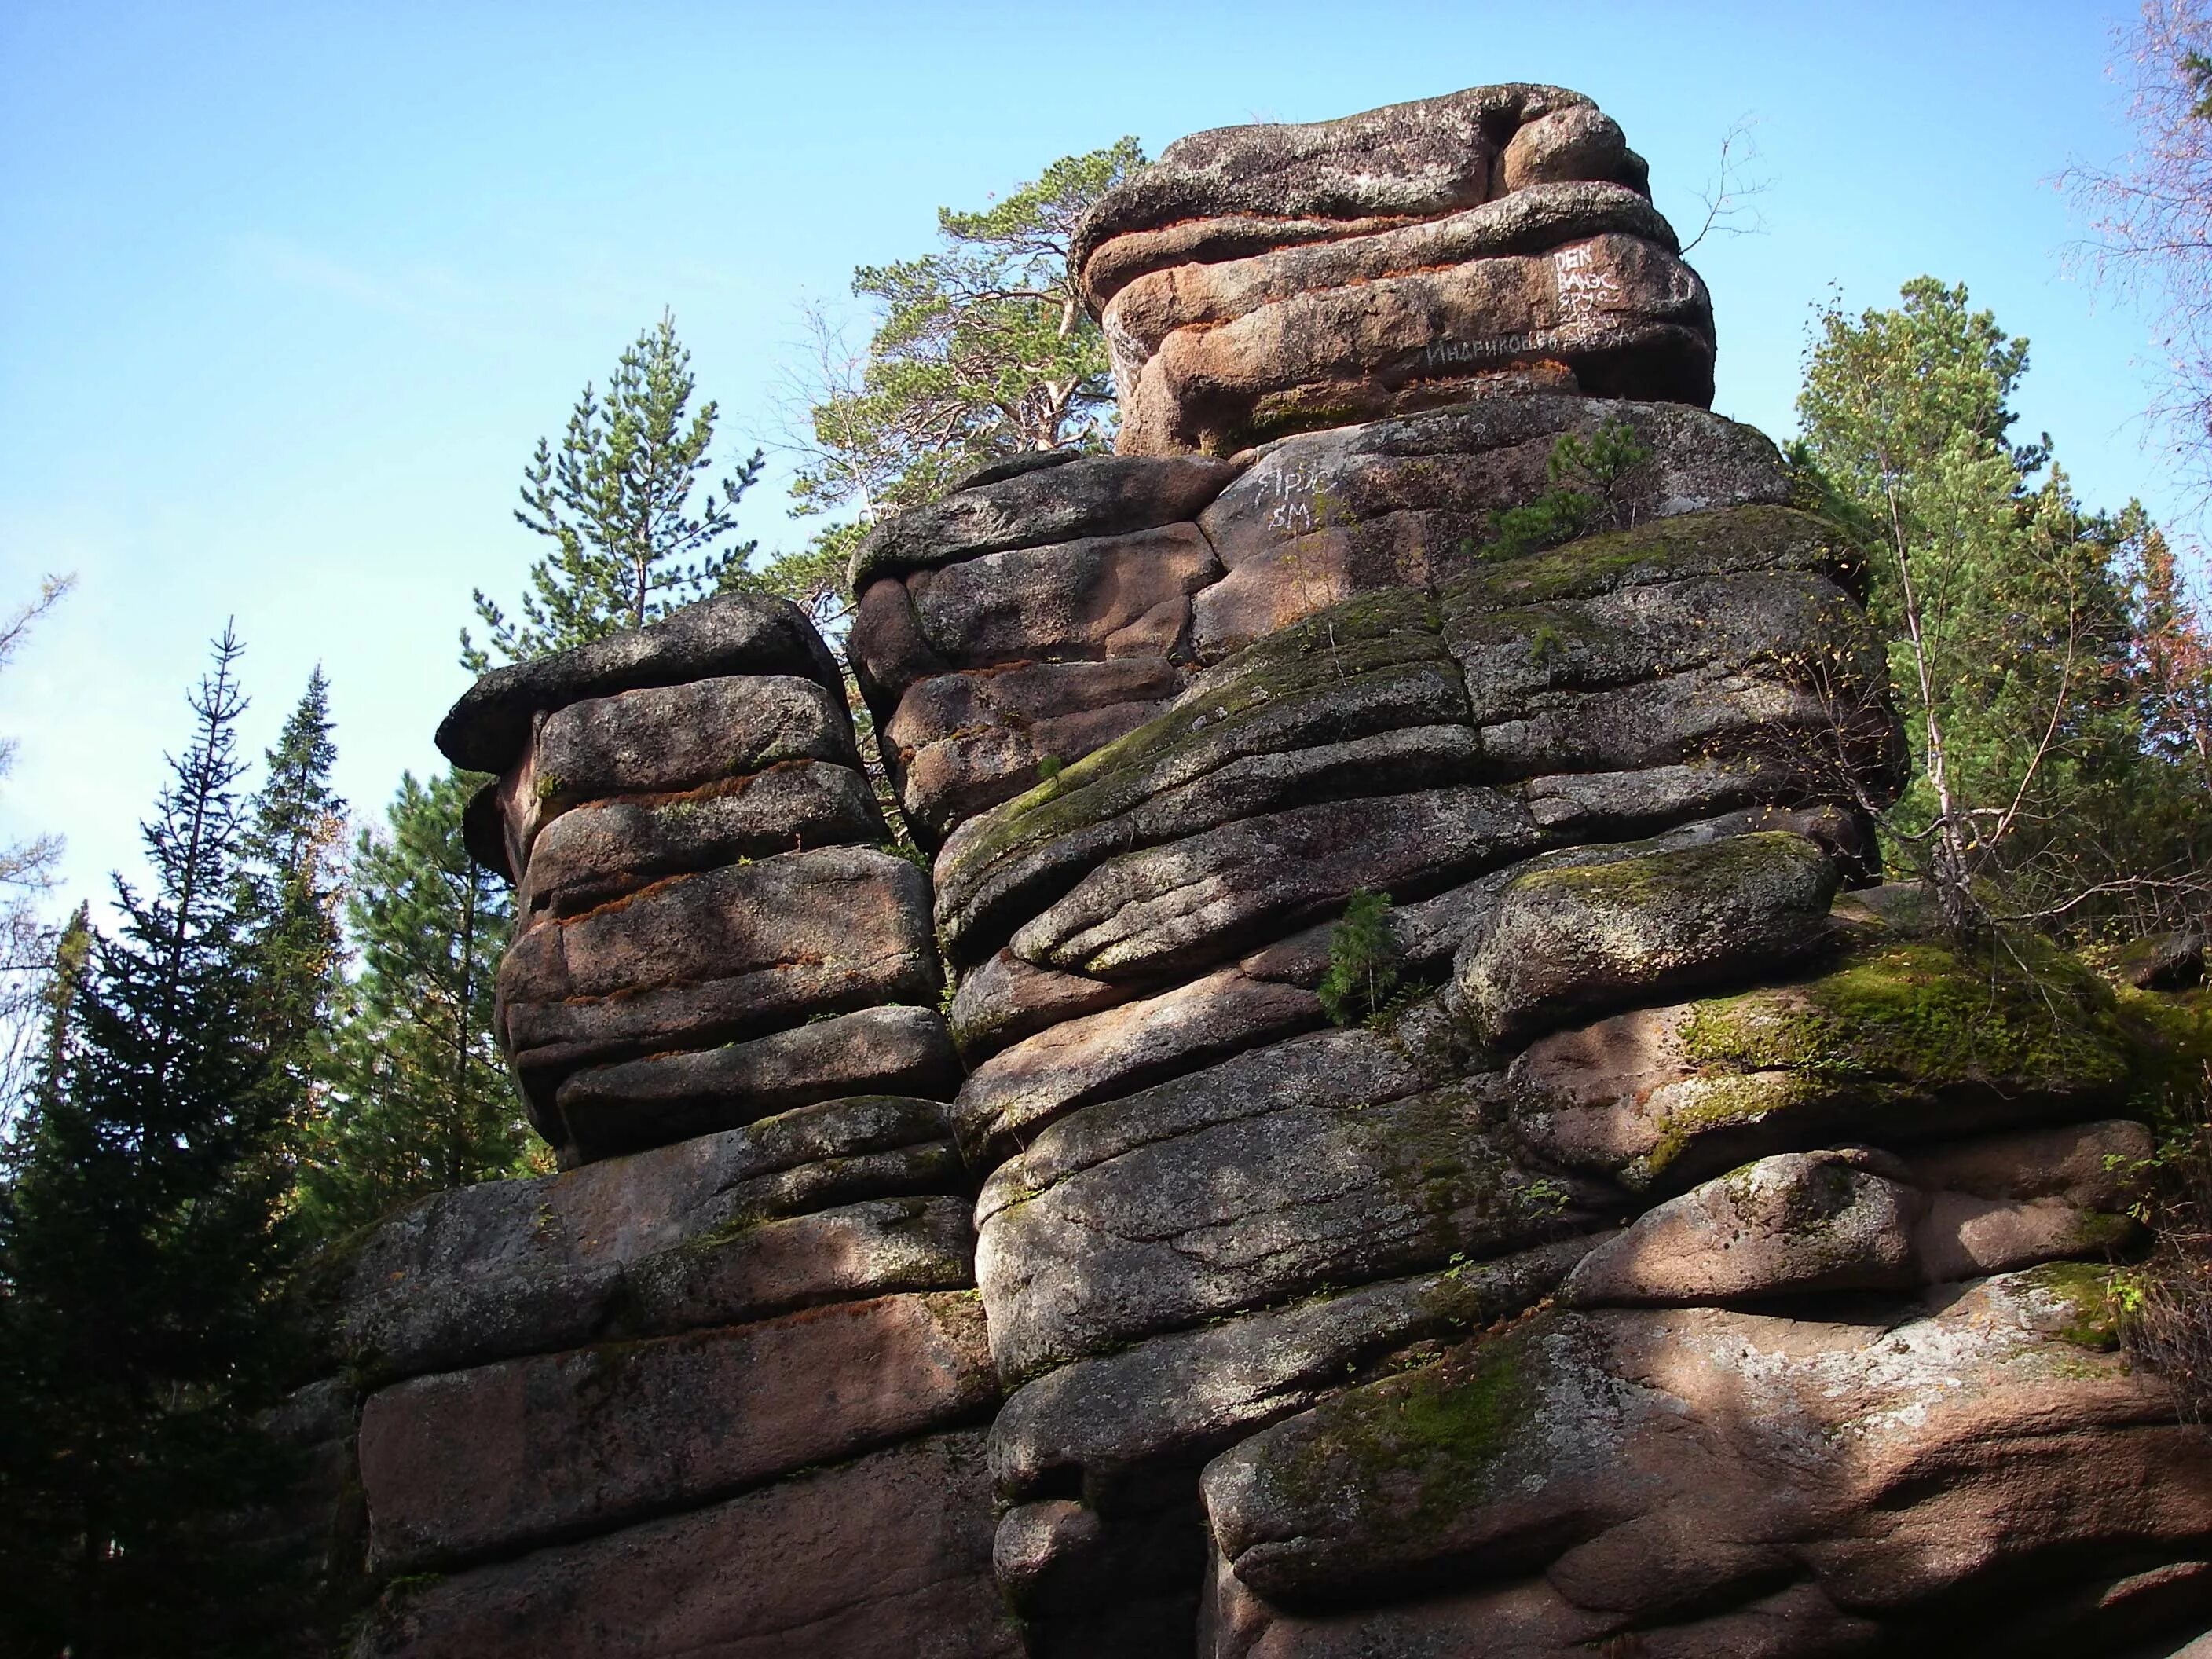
(1711, 543)
(1919, 1011)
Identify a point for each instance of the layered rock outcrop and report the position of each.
(1441, 1143)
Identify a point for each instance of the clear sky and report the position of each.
(288, 292)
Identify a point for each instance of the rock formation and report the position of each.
(1673, 1245)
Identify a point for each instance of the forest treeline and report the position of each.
(284, 1031)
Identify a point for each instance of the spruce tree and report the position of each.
(615, 501)
(141, 1248)
(419, 1099)
(291, 858)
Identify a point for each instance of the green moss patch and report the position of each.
(1371, 636)
(1711, 543)
(1917, 1011)
(2085, 1292)
(1427, 1443)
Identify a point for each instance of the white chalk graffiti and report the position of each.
(1290, 491)
(1583, 287)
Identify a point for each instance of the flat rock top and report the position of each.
(1412, 161)
(734, 633)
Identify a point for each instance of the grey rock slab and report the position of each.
(887, 1556)
(735, 634)
(1008, 1098)
(666, 738)
(453, 1463)
(1720, 541)
(699, 959)
(1102, 597)
(1406, 160)
(1781, 621)
(1427, 933)
(1292, 721)
(1094, 496)
(753, 1270)
(1250, 1210)
(1177, 1400)
(603, 850)
(1006, 1000)
(670, 1097)
(1566, 941)
(1190, 903)
(739, 1268)
(1347, 1069)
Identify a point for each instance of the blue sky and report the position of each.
(288, 292)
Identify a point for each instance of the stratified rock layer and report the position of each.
(1643, 1234)
(684, 815)
(1264, 279)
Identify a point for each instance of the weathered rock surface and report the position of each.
(665, 1097)
(1565, 941)
(1591, 1478)
(735, 634)
(605, 850)
(680, 1238)
(700, 959)
(1177, 1400)
(1257, 280)
(1845, 1219)
(964, 743)
(888, 1556)
(1903, 1040)
(1094, 496)
(1289, 1193)
(1408, 502)
(453, 1463)
(1008, 1098)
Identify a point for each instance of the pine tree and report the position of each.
(981, 351)
(141, 1246)
(2007, 606)
(419, 1098)
(614, 503)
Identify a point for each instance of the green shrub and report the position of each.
(1362, 969)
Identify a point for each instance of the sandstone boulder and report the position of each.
(452, 1461)
(700, 959)
(1175, 1401)
(1574, 939)
(520, 1266)
(1093, 496)
(1253, 1210)
(1903, 1040)
(734, 633)
(605, 849)
(1638, 1471)
(887, 1556)
(670, 1097)
(1008, 1098)
(1321, 517)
